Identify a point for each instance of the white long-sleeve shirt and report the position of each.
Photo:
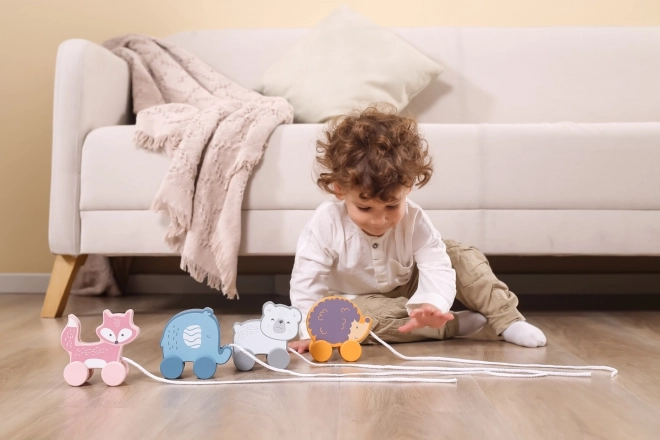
(335, 257)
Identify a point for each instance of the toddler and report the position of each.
(372, 245)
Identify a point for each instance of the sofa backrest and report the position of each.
(492, 75)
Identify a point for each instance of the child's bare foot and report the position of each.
(522, 333)
(469, 322)
(426, 316)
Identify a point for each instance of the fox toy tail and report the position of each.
(71, 334)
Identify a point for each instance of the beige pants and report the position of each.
(476, 287)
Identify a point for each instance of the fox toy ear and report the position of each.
(129, 313)
(107, 313)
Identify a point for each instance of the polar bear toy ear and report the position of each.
(268, 307)
(297, 316)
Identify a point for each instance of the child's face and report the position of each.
(374, 217)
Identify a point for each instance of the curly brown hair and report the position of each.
(375, 151)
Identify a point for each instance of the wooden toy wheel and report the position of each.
(242, 361)
(320, 350)
(113, 374)
(204, 367)
(171, 367)
(76, 374)
(279, 358)
(350, 351)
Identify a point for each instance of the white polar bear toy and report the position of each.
(268, 335)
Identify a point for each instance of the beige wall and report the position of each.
(31, 31)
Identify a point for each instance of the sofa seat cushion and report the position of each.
(495, 232)
(117, 175)
(555, 166)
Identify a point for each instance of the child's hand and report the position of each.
(301, 346)
(426, 316)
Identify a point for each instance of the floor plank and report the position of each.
(419, 411)
(629, 341)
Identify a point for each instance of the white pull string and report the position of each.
(520, 371)
(299, 377)
(613, 371)
(498, 372)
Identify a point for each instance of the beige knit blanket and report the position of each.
(215, 132)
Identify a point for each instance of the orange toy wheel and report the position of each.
(350, 351)
(320, 351)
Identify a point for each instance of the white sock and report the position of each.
(522, 333)
(469, 322)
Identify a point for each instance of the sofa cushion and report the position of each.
(495, 232)
(117, 175)
(347, 62)
(477, 166)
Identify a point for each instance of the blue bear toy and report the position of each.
(192, 336)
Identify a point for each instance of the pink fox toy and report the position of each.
(116, 331)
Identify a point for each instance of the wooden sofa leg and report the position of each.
(59, 287)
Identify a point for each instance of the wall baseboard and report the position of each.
(602, 284)
(24, 282)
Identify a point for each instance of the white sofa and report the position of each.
(546, 140)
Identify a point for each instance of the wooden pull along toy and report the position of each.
(336, 322)
(268, 335)
(116, 331)
(192, 336)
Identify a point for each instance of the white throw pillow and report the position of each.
(347, 62)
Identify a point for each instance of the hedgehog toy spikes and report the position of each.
(336, 322)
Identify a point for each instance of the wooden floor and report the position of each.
(36, 402)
